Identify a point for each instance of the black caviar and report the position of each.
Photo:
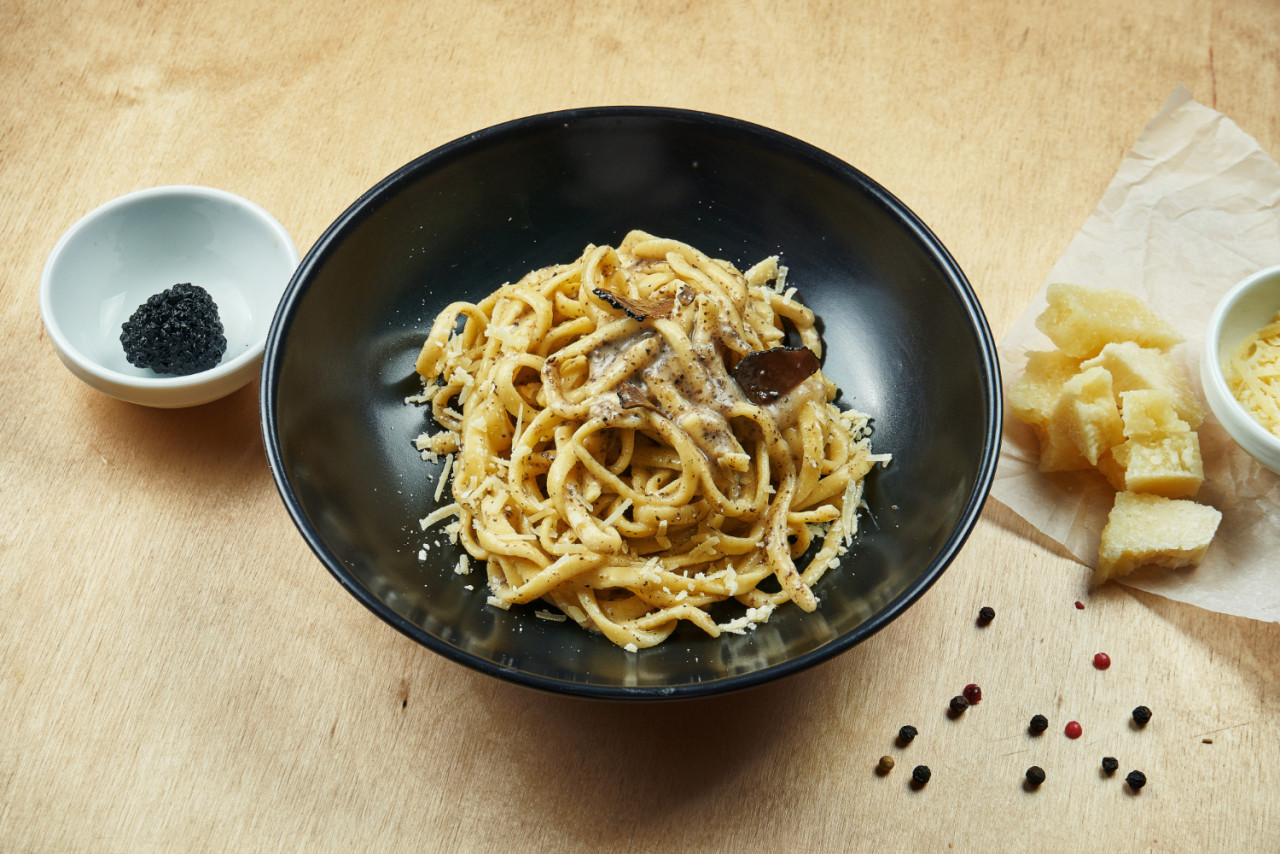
(1039, 723)
(1110, 764)
(176, 331)
(1035, 775)
(920, 775)
(986, 614)
(907, 733)
(1136, 780)
(959, 704)
(1141, 715)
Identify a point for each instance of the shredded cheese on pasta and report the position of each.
(605, 460)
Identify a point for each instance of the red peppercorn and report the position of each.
(973, 694)
(1102, 661)
(1079, 605)
(1074, 730)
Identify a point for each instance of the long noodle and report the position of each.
(606, 461)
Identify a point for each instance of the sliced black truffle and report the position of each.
(637, 309)
(767, 375)
(176, 332)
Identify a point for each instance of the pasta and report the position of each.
(610, 456)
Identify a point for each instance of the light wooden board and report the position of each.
(177, 672)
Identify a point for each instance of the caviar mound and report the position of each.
(175, 332)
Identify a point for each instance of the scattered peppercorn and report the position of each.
(1039, 723)
(1102, 661)
(1079, 605)
(906, 734)
(1136, 780)
(1035, 775)
(1141, 715)
(959, 704)
(973, 694)
(1110, 764)
(1074, 730)
(986, 614)
(176, 331)
(885, 765)
(921, 774)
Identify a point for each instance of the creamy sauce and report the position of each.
(697, 398)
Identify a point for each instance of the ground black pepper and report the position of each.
(921, 774)
(959, 704)
(986, 614)
(1136, 780)
(1141, 715)
(1035, 775)
(1039, 723)
(906, 734)
(1110, 764)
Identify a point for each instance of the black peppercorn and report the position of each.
(1039, 723)
(1110, 765)
(1141, 715)
(1136, 780)
(959, 704)
(1035, 775)
(921, 774)
(906, 734)
(986, 614)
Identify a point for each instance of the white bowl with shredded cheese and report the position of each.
(140, 244)
(1247, 309)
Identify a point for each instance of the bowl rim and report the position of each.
(157, 384)
(1255, 439)
(760, 135)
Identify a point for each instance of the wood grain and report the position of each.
(177, 672)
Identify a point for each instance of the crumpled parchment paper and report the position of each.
(1193, 209)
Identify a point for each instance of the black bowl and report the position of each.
(906, 341)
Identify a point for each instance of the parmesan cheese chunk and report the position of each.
(1152, 530)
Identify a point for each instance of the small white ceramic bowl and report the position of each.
(1245, 309)
(130, 248)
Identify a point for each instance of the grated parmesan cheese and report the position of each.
(440, 513)
(444, 476)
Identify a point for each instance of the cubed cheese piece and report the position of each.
(1087, 414)
(1150, 412)
(1149, 529)
(1033, 397)
(1134, 367)
(1081, 321)
(1057, 451)
(1170, 466)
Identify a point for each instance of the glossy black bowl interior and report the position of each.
(906, 340)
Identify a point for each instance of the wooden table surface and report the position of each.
(179, 673)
